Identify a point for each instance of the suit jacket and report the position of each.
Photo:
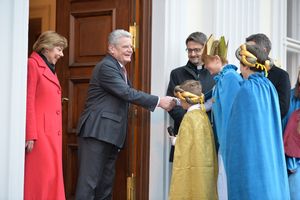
(106, 109)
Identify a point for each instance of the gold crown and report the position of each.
(188, 96)
(216, 47)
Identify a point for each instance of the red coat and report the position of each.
(43, 165)
(291, 137)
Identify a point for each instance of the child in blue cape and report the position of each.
(255, 163)
(227, 85)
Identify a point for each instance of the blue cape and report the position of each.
(227, 84)
(255, 163)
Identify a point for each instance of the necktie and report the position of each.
(125, 73)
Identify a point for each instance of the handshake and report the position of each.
(167, 103)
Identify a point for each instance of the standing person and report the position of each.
(195, 168)
(103, 124)
(294, 101)
(227, 85)
(255, 163)
(43, 158)
(290, 139)
(193, 70)
(279, 77)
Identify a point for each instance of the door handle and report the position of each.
(64, 99)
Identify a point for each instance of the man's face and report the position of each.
(122, 51)
(194, 51)
(53, 55)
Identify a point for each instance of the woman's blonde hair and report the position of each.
(49, 40)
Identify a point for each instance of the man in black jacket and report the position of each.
(193, 70)
(279, 77)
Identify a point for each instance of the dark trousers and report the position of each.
(96, 169)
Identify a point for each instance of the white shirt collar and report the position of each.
(120, 64)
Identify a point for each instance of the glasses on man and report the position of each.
(196, 50)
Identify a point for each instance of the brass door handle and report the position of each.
(64, 99)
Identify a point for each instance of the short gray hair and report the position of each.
(114, 36)
(262, 40)
(197, 37)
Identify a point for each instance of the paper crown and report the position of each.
(216, 47)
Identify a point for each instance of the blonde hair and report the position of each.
(49, 40)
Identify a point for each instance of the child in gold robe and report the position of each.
(195, 168)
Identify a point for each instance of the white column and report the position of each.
(13, 51)
(278, 20)
(158, 140)
(237, 19)
(172, 22)
(169, 31)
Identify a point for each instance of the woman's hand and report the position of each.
(29, 145)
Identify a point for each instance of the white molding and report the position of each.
(279, 25)
(158, 172)
(14, 24)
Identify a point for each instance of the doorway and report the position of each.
(86, 25)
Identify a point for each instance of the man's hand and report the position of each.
(167, 103)
(29, 145)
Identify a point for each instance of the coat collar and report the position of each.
(46, 71)
(189, 67)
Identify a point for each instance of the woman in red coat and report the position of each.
(43, 159)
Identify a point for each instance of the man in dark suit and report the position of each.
(193, 70)
(279, 77)
(103, 124)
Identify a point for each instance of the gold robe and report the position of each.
(195, 168)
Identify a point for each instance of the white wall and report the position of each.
(172, 22)
(13, 51)
(168, 52)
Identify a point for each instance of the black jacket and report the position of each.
(281, 81)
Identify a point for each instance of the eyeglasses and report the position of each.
(196, 50)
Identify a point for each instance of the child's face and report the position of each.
(213, 64)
